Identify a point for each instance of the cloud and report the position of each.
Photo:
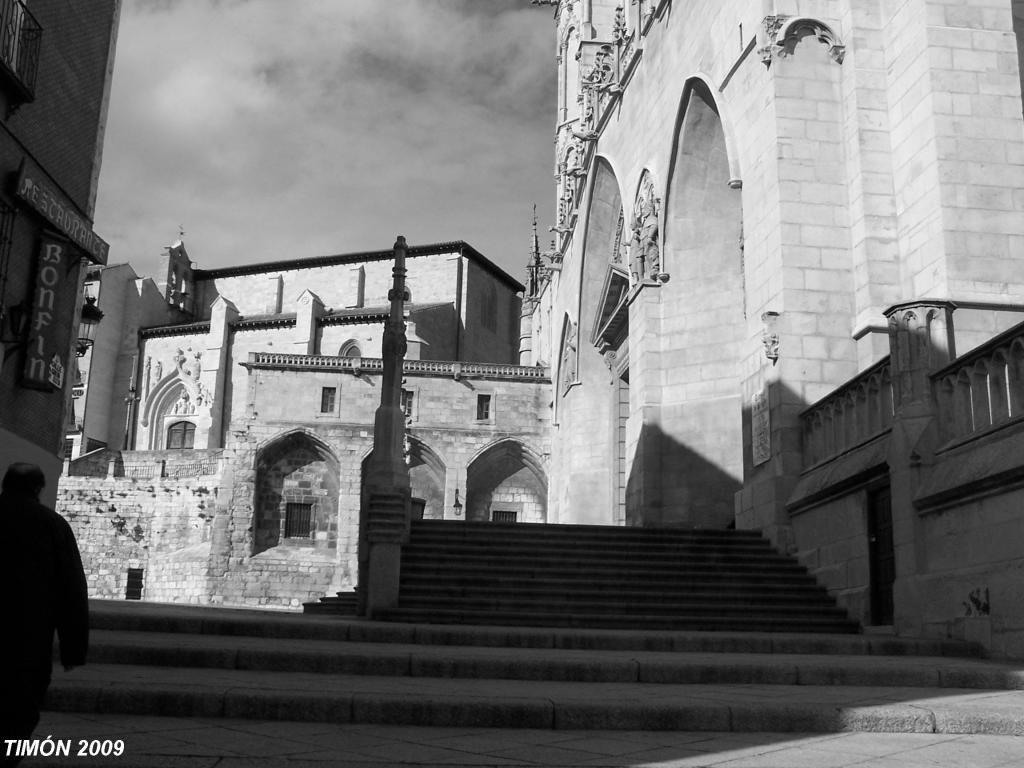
(275, 129)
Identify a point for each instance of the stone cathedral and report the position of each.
(785, 286)
(784, 291)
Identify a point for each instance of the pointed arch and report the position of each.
(508, 477)
(350, 348)
(702, 250)
(297, 492)
(168, 392)
(427, 472)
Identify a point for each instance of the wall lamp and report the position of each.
(87, 324)
(457, 506)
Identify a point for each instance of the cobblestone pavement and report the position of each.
(159, 742)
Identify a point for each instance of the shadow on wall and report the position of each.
(669, 484)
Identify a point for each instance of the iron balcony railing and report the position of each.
(20, 40)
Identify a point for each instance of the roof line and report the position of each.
(453, 246)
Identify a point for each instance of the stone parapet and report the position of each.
(358, 365)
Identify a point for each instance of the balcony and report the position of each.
(20, 39)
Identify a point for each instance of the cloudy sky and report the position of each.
(276, 129)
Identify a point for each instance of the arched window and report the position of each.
(181, 435)
(350, 349)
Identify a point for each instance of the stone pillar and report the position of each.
(216, 370)
(387, 513)
(921, 342)
(308, 310)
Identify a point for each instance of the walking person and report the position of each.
(45, 592)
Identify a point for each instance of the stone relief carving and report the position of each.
(619, 24)
(569, 344)
(189, 367)
(782, 33)
(618, 255)
(770, 336)
(645, 255)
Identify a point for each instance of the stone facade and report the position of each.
(744, 190)
(768, 217)
(270, 400)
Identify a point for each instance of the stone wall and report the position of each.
(160, 525)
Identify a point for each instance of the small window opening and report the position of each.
(327, 399)
(503, 515)
(406, 403)
(298, 520)
(483, 407)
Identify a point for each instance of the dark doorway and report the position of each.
(133, 588)
(881, 556)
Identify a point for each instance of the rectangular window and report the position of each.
(503, 515)
(298, 520)
(483, 407)
(406, 403)
(327, 397)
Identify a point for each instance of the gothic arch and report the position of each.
(296, 494)
(507, 476)
(604, 211)
(350, 348)
(702, 250)
(427, 477)
(159, 404)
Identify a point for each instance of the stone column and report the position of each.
(387, 514)
(920, 342)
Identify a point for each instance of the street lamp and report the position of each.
(457, 506)
(90, 319)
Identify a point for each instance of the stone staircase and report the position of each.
(179, 661)
(456, 572)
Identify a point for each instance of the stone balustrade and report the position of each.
(982, 389)
(355, 365)
(858, 411)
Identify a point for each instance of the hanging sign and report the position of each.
(49, 333)
(55, 207)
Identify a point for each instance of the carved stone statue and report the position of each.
(644, 251)
(569, 357)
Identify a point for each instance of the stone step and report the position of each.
(341, 603)
(710, 621)
(456, 572)
(616, 604)
(579, 565)
(170, 649)
(635, 593)
(638, 547)
(339, 698)
(468, 529)
(139, 616)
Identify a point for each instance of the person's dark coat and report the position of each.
(44, 592)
